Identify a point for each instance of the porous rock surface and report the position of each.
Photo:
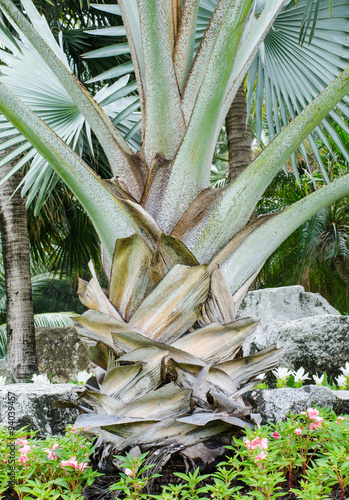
(282, 304)
(61, 353)
(313, 334)
(5, 372)
(344, 397)
(33, 407)
(275, 404)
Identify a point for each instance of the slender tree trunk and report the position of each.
(239, 141)
(21, 351)
(238, 134)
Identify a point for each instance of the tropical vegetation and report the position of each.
(315, 256)
(307, 454)
(179, 256)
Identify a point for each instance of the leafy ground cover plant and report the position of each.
(56, 467)
(307, 456)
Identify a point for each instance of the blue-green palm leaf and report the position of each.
(30, 79)
(286, 76)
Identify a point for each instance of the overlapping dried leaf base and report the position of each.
(165, 342)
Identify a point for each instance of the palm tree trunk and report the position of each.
(21, 351)
(238, 134)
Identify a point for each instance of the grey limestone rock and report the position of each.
(33, 407)
(313, 334)
(282, 304)
(275, 404)
(319, 343)
(5, 372)
(344, 397)
(61, 353)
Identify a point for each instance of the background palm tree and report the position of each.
(16, 258)
(51, 293)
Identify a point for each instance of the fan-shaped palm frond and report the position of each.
(50, 320)
(286, 76)
(30, 79)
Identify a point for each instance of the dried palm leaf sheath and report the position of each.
(166, 345)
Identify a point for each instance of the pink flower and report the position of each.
(128, 472)
(22, 441)
(50, 454)
(23, 459)
(257, 443)
(276, 435)
(339, 419)
(70, 463)
(347, 458)
(81, 466)
(261, 456)
(248, 444)
(298, 431)
(263, 444)
(25, 449)
(252, 445)
(316, 424)
(73, 463)
(73, 430)
(312, 413)
(55, 446)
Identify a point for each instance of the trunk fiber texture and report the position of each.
(238, 135)
(21, 352)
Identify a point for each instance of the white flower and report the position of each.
(318, 380)
(260, 376)
(341, 381)
(299, 375)
(40, 379)
(282, 373)
(83, 376)
(346, 370)
(2, 380)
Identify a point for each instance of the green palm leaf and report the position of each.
(289, 75)
(30, 79)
